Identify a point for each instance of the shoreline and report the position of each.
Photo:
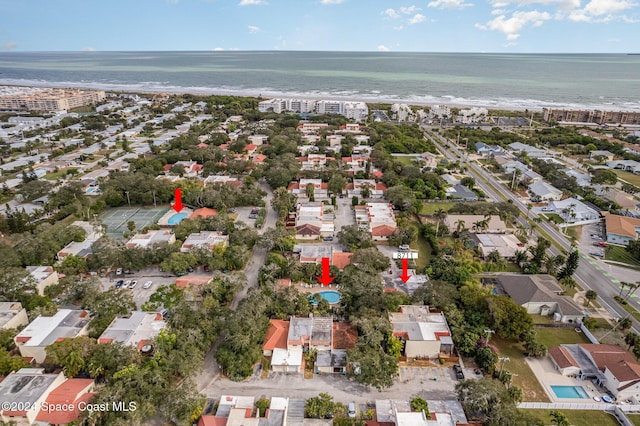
(515, 105)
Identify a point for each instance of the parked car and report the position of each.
(147, 284)
(189, 269)
(133, 284)
(329, 238)
(597, 254)
(119, 271)
(351, 410)
(126, 284)
(206, 268)
(404, 247)
(458, 370)
(119, 283)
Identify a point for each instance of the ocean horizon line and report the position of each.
(389, 52)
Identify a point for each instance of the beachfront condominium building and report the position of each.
(357, 111)
(29, 99)
(591, 116)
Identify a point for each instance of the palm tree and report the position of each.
(590, 296)
(520, 256)
(558, 418)
(460, 226)
(439, 215)
(631, 339)
(631, 289)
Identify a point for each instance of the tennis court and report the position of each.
(117, 219)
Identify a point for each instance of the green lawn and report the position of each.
(552, 336)
(55, 176)
(620, 254)
(635, 419)
(577, 417)
(633, 179)
(532, 390)
(554, 218)
(430, 208)
(424, 252)
(407, 161)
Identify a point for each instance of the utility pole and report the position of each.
(128, 200)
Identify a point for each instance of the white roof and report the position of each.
(287, 357)
(44, 331)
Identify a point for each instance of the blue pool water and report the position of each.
(176, 218)
(569, 392)
(330, 296)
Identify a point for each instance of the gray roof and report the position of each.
(462, 191)
(25, 386)
(530, 288)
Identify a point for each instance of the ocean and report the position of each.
(509, 81)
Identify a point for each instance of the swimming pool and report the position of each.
(330, 296)
(176, 218)
(570, 392)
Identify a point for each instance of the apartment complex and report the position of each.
(357, 111)
(591, 116)
(49, 99)
(377, 218)
(137, 330)
(425, 333)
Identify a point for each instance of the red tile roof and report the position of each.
(307, 229)
(259, 158)
(381, 187)
(341, 259)
(250, 147)
(620, 362)
(212, 421)
(562, 357)
(293, 185)
(383, 230)
(72, 392)
(276, 335)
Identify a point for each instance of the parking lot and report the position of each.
(140, 294)
(592, 234)
(243, 213)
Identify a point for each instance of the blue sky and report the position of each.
(545, 26)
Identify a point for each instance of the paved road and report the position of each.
(590, 275)
(210, 371)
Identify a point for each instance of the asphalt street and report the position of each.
(591, 275)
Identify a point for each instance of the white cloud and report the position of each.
(331, 1)
(512, 26)
(391, 13)
(9, 45)
(88, 49)
(383, 48)
(498, 12)
(417, 18)
(251, 2)
(560, 4)
(408, 10)
(399, 28)
(602, 11)
(218, 49)
(253, 29)
(449, 4)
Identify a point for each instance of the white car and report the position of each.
(126, 284)
(147, 284)
(133, 284)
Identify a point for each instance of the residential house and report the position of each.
(621, 229)
(82, 248)
(313, 220)
(425, 334)
(341, 259)
(476, 223)
(472, 115)
(43, 331)
(572, 210)
(215, 179)
(531, 152)
(286, 341)
(376, 190)
(505, 244)
(204, 239)
(539, 294)
(377, 218)
(461, 192)
(543, 191)
(299, 189)
(31, 391)
(238, 411)
(489, 150)
(139, 329)
(12, 315)
(151, 238)
(601, 156)
(259, 139)
(582, 179)
(335, 140)
(625, 201)
(626, 165)
(391, 412)
(313, 253)
(44, 276)
(608, 365)
(430, 160)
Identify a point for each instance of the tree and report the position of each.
(419, 404)
(73, 265)
(439, 215)
(394, 346)
(310, 191)
(510, 320)
(373, 367)
(262, 404)
(601, 176)
(319, 406)
(353, 236)
(468, 181)
(71, 354)
(283, 202)
(487, 400)
(371, 258)
(625, 323)
(336, 183)
(486, 359)
(590, 296)
(558, 418)
(178, 262)
(401, 197)
(631, 339)
(570, 266)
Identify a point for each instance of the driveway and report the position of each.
(344, 214)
